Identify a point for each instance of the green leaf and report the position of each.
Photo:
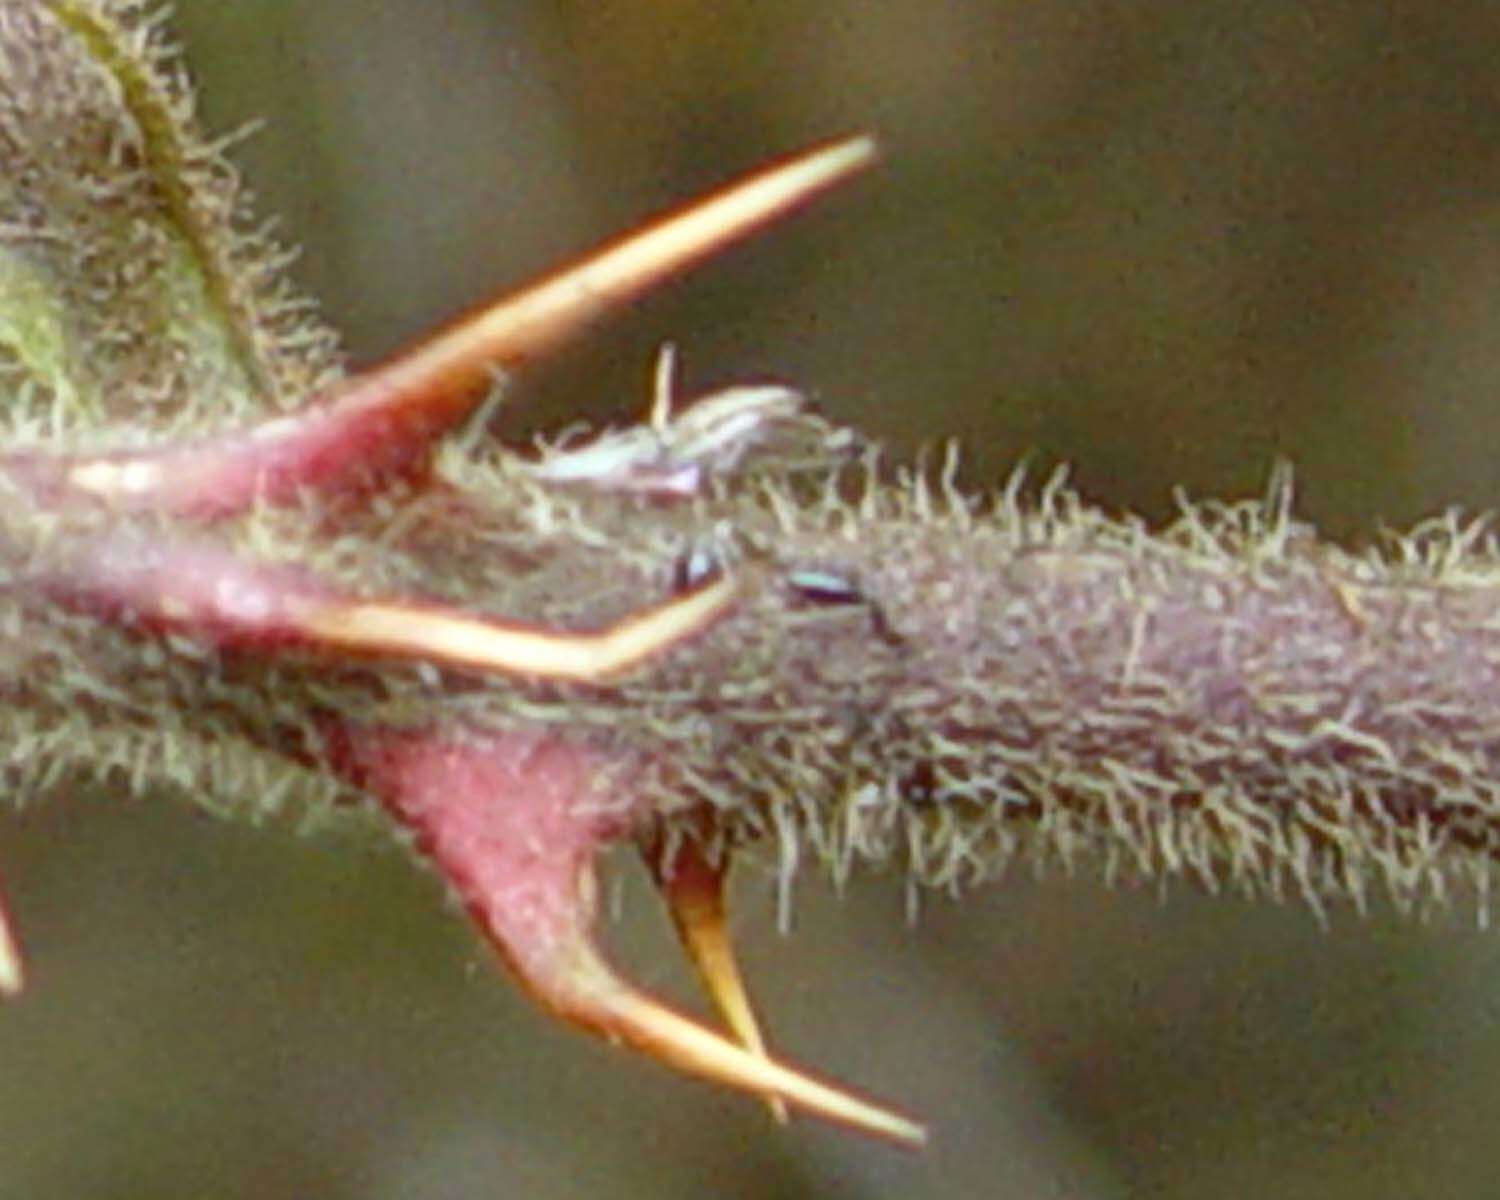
(136, 300)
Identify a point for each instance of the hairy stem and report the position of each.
(1229, 699)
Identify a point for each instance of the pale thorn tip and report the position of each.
(650, 1026)
(12, 971)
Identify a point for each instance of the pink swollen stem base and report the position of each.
(514, 822)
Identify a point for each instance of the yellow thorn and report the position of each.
(694, 891)
(525, 867)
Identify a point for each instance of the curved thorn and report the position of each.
(694, 890)
(514, 821)
(384, 418)
(452, 638)
(208, 593)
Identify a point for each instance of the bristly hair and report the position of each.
(913, 677)
(230, 571)
(940, 684)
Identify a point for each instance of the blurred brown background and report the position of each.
(1166, 242)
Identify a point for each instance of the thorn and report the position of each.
(515, 821)
(694, 891)
(208, 593)
(436, 373)
(597, 999)
(382, 419)
(578, 985)
(12, 969)
(450, 637)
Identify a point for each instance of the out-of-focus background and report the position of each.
(1166, 242)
